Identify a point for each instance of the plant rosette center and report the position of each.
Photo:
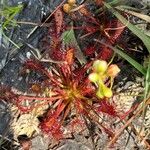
(72, 94)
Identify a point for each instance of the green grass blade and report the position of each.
(115, 2)
(147, 82)
(145, 39)
(125, 7)
(134, 63)
(7, 38)
(146, 92)
(69, 39)
(9, 12)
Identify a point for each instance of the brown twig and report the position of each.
(32, 23)
(78, 8)
(141, 138)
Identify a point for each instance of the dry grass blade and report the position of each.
(139, 15)
(33, 23)
(141, 138)
(117, 135)
(53, 12)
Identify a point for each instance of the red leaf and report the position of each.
(57, 55)
(118, 31)
(53, 127)
(7, 95)
(70, 56)
(90, 50)
(105, 53)
(80, 72)
(106, 107)
(59, 20)
(98, 2)
(114, 29)
(76, 124)
(33, 65)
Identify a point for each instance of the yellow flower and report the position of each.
(100, 66)
(101, 74)
(93, 77)
(103, 91)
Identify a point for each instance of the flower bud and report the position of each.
(100, 66)
(66, 8)
(113, 70)
(36, 88)
(71, 2)
(93, 77)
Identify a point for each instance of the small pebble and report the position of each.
(128, 84)
(28, 55)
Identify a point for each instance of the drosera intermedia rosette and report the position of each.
(70, 95)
